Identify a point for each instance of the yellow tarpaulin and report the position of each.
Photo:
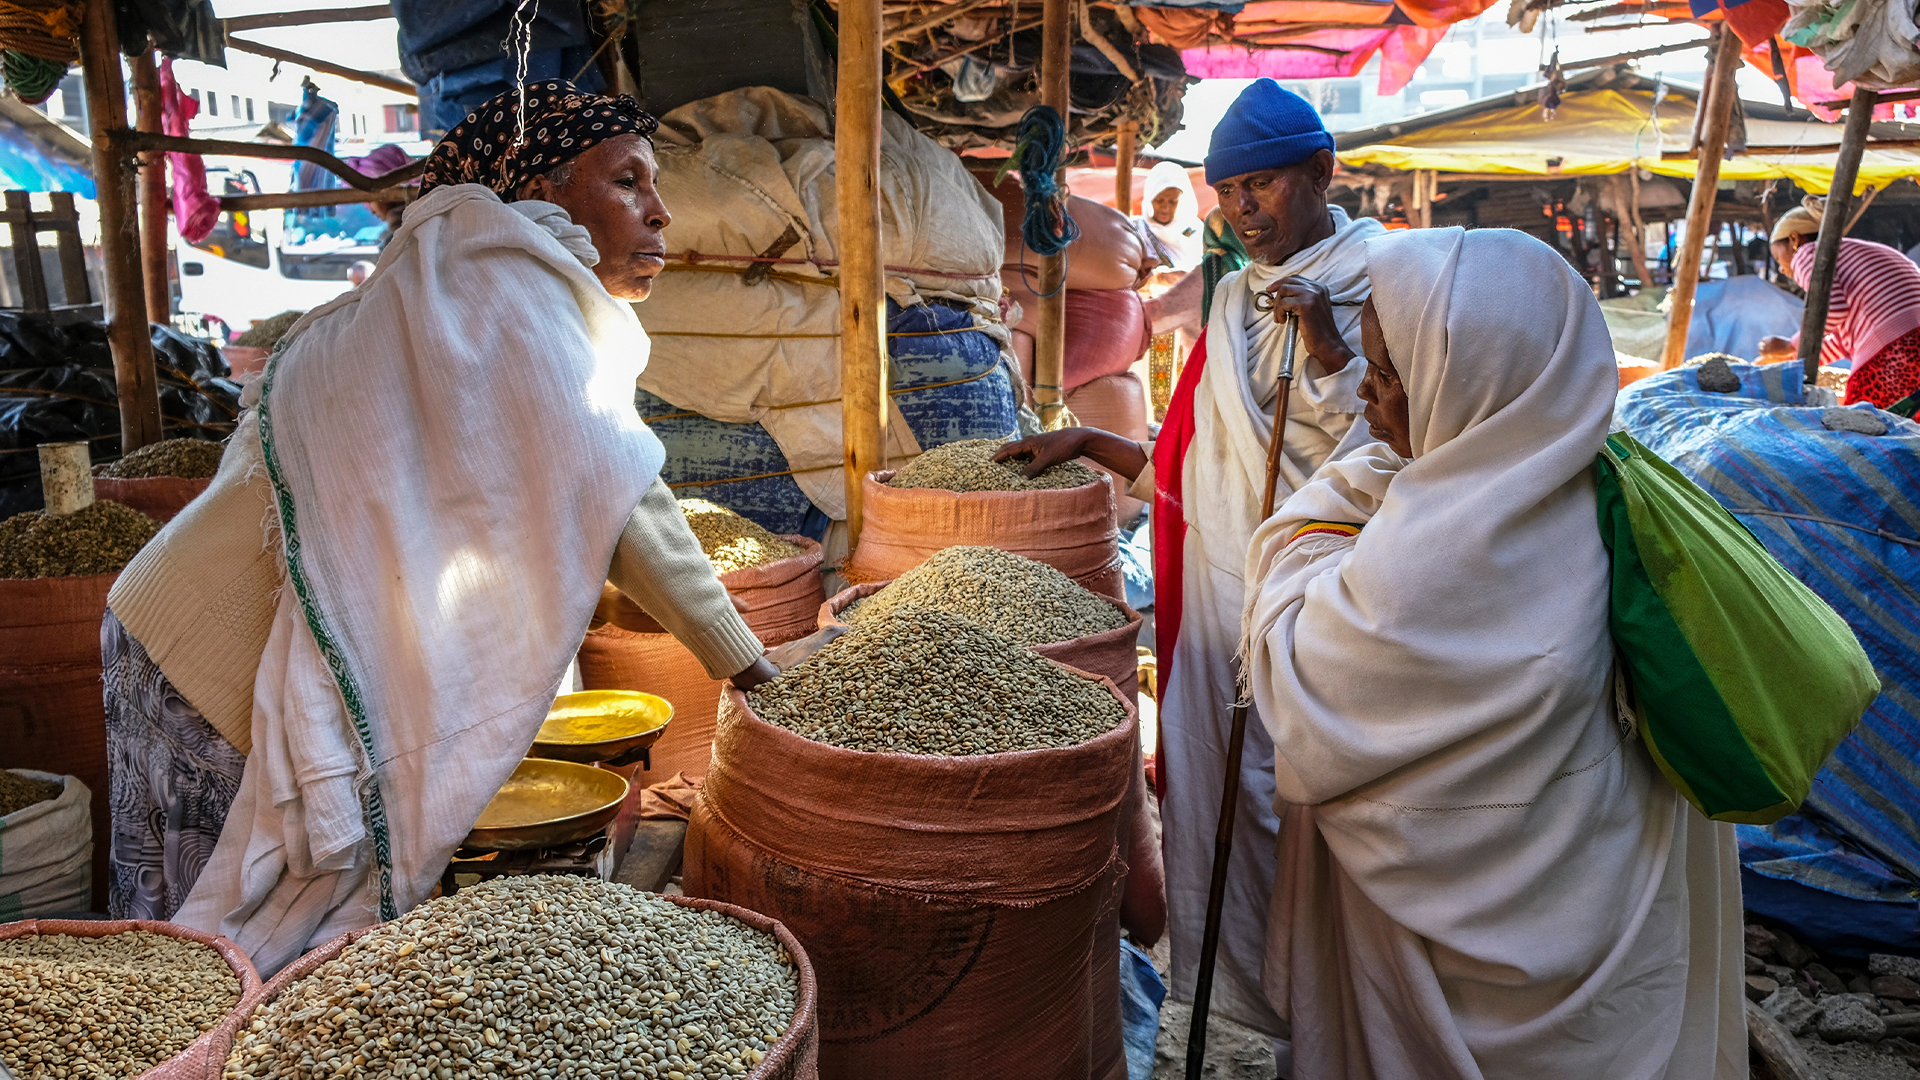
(1600, 132)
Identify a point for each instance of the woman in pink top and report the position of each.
(1873, 315)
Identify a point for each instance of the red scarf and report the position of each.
(1169, 519)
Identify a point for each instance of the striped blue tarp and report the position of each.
(1842, 512)
(945, 378)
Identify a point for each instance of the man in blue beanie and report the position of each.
(1270, 162)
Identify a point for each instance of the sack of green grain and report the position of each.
(1072, 528)
(946, 851)
(160, 479)
(1034, 605)
(46, 844)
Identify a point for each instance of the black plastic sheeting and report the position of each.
(57, 385)
(183, 29)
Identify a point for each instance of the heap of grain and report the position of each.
(106, 1006)
(919, 681)
(191, 459)
(550, 976)
(98, 539)
(19, 792)
(969, 466)
(730, 541)
(266, 333)
(1023, 601)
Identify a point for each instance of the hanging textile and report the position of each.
(195, 211)
(314, 126)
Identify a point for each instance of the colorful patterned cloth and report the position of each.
(170, 780)
(1890, 376)
(493, 146)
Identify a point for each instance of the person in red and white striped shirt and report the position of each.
(1873, 314)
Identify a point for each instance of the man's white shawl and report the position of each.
(1481, 873)
(453, 451)
(1225, 466)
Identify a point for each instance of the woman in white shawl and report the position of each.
(1171, 227)
(1481, 873)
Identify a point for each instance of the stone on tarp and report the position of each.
(1790, 951)
(1795, 1011)
(1760, 941)
(1850, 1018)
(1897, 987)
(1889, 964)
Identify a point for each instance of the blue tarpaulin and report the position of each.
(1842, 512)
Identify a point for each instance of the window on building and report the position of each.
(73, 100)
(401, 118)
(213, 103)
(195, 95)
(235, 98)
(249, 110)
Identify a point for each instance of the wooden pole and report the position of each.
(1717, 103)
(153, 190)
(863, 299)
(1125, 149)
(1833, 225)
(371, 78)
(126, 298)
(1050, 349)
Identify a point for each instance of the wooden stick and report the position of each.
(1777, 1047)
(863, 299)
(153, 189)
(277, 200)
(1833, 225)
(936, 17)
(1794, 149)
(1050, 346)
(141, 140)
(1125, 150)
(1107, 48)
(328, 66)
(1718, 105)
(1621, 58)
(975, 47)
(306, 18)
(73, 257)
(139, 387)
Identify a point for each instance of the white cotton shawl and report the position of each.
(1482, 874)
(1225, 466)
(1182, 237)
(454, 452)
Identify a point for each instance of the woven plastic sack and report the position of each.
(1073, 530)
(158, 497)
(52, 713)
(1743, 679)
(46, 852)
(202, 1059)
(959, 911)
(1113, 655)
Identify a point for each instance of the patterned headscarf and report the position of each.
(562, 122)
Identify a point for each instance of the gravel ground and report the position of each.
(1853, 1061)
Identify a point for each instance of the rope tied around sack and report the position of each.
(1046, 227)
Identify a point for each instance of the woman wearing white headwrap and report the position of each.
(1171, 225)
(1481, 873)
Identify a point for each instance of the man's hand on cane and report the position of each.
(1327, 352)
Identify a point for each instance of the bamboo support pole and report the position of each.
(178, 144)
(1125, 150)
(329, 67)
(1050, 349)
(153, 190)
(280, 200)
(1833, 225)
(1718, 106)
(126, 299)
(863, 300)
(307, 18)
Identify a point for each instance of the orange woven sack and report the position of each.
(158, 497)
(959, 911)
(627, 650)
(1070, 529)
(1111, 654)
(52, 715)
(791, 1057)
(203, 1057)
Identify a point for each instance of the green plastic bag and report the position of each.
(1743, 679)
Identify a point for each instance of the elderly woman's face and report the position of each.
(1165, 205)
(1381, 388)
(610, 192)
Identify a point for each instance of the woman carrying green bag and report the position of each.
(1482, 872)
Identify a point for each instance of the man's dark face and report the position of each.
(1277, 212)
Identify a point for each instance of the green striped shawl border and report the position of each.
(373, 806)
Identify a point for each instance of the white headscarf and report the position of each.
(1179, 241)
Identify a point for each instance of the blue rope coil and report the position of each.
(1046, 226)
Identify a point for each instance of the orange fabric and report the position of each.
(1440, 14)
(1181, 28)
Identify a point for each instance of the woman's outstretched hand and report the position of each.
(1111, 452)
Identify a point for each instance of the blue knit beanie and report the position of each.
(1266, 127)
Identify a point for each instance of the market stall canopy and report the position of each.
(38, 153)
(1308, 39)
(1608, 123)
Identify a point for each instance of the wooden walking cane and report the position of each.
(1236, 739)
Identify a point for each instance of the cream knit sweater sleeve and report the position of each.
(659, 566)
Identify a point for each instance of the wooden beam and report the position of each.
(936, 17)
(1621, 58)
(306, 18)
(141, 140)
(1795, 149)
(328, 66)
(1777, 1047)
(126, 299)
(153, 190)
(1050, 345)
(863, 299)
(280, 200)
(1833, 225)
(1125, 152)
(1718, 107)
